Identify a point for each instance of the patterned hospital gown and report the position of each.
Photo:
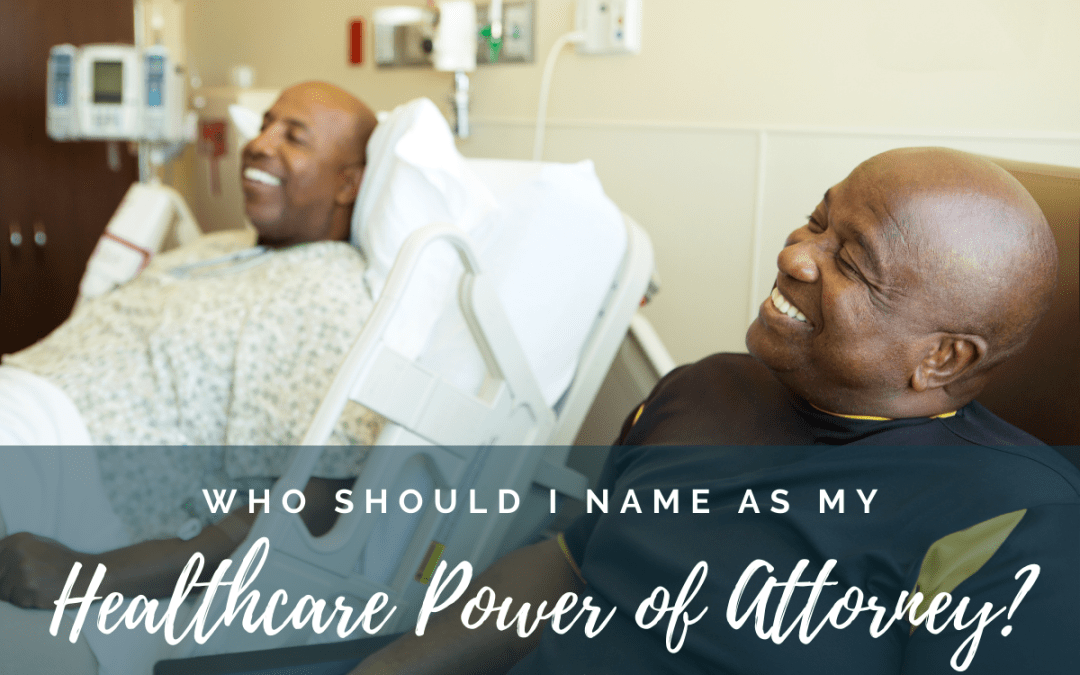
(236, 353)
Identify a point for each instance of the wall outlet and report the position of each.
(610, 26)
(519, 19)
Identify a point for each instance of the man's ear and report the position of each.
(948, 358)
(352, 176)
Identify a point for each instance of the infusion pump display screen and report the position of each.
(108, 82)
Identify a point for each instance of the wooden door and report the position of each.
(65, 190)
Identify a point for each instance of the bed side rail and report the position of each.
(509, 411)
(623, 301)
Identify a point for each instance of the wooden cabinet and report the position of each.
(65, 190)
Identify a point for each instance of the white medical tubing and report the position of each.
(545, 88)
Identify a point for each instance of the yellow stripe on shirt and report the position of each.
(569, 558)
(875, 418)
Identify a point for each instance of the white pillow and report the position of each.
(415, 176)
(247, 122)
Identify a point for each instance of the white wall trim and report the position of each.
(798, 130)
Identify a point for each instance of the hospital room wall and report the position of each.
(722, 134)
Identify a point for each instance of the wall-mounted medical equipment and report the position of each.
(452, 38)
(108, 101)
(60, 122)
(603, 27)
(405, 35)
(456, 30)
(115, 92)
(455, 52)
(609, 26)
(164, 107)
(447, 38)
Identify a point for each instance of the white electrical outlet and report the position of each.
(610, 26)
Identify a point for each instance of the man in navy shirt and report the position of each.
(913, 278)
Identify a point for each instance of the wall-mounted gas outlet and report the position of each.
(403, 36)
(610, 26)
(519, 18)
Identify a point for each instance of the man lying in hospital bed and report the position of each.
(216, 342)
(232, 350)
(219, 342)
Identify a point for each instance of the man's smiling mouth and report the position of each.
(260, 176)
(785, 307)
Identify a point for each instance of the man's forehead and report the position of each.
(285, 114)
(310, 110)
(302, 104)
(864, 219)
(905, 221)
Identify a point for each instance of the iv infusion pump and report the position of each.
(114, 92)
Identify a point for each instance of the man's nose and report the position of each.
(797, 260)
(261, 145)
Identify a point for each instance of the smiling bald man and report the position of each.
(913, 278)
(935, 258)
(190, 351)
(301, 174)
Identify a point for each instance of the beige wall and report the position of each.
(722, 134)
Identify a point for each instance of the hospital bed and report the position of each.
(484, 419)
(438, 436)
(505, 436)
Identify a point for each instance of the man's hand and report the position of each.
(33, 570)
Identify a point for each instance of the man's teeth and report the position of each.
(785, 307)
(260, 176)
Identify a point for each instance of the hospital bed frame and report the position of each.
(436, 436)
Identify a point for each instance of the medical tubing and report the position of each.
(545, 88)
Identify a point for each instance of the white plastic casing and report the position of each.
(163, 96)
(135, 232)
(116, 92)
(148, 217)
(107, 118)
(61, 122)
(157, 93)
(455, 36)
(610, 26)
